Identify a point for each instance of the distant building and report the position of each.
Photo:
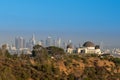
(54, 42)
(31, 42)
(42, 42)
(89, 47)
(12, 47)
(64, 45)
(20, 43)
(39, 43)
(69, 48)
(58, 42)
(48, 41)
(20, 51)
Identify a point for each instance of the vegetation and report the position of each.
(52, 63)
(52, 50)
(116, 61)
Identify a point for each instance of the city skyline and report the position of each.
(37, 39)
(80, 20)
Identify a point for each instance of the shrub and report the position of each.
(116, 61)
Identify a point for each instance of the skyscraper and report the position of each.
(59, 42)
(69, 41)
(16, 43)
(19, 42)
(64, 45)
(48, 41)
(54, 42)
(42, 43)
(33, 40)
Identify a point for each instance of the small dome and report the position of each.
(69, 46)
(88, 44)
(97, 47)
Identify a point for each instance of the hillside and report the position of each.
(48, 65)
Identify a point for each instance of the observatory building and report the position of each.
(89, 47)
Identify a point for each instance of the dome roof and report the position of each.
(69, 46)
(97, 47)
(88, 44)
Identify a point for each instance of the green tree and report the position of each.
(52, 50)
(116, 61)
(40, 53)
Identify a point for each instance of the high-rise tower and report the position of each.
(33, 40)
(49, 41)
(59, 42)
(19, 42)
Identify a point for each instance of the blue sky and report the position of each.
(97, 20)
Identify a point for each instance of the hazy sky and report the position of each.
(79, 20)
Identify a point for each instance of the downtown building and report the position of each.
(20, 43)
